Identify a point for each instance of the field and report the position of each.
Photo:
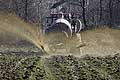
(60, 68)
(99, 59)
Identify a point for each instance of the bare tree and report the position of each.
(26, 10)
(21, 7)
(101, 10)
(110, 12)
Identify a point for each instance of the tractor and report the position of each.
(66, 23)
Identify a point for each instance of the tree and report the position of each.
(101, 10)
(21, 8)
(110, 12)
(26, 9)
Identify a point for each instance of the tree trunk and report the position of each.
(100, 10)
(26, 12)
(110, 13)
(84, 14)
(16, 7)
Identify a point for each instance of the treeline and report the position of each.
(91, 12)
